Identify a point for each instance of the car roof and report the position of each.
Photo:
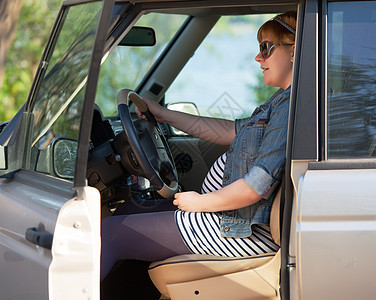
(219, 2)
(239, 6)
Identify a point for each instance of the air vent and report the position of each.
(165, 129)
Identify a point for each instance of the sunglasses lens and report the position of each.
(265, 48)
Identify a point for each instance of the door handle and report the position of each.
(39, 237)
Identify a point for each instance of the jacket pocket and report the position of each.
(252, 139)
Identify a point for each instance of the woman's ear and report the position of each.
(292, 53)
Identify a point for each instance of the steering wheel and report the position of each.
(149, 147)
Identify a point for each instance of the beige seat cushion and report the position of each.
(184, 274)
(196, 266)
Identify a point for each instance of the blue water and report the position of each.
(219, 75)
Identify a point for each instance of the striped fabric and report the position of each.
(213, 180)
(201, 231)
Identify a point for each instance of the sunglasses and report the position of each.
(266, 49)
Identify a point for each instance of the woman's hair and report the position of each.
(281, 34)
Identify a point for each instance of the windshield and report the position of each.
(127, 65)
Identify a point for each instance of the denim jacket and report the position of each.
(257, 154)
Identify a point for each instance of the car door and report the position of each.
(49, 217)
(333, 230)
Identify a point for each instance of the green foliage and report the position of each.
(33, 28)
(261, 91)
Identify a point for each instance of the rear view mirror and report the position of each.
(64, 157)
(139, 36)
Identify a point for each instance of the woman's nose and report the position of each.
(258, 57)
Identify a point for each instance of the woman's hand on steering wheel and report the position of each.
(149, 149)
(154, 108)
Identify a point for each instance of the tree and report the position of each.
(262, 91)
(9, 13)
(33, 28)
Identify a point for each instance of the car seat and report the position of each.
(195, 276)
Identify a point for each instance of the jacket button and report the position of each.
(225, 177)
(227, 228)
(229, 150)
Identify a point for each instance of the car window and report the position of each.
(56, 112)
(127, 65)
(351, 104)
(222, 75)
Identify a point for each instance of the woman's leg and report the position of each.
(136, 206)
(149, 237)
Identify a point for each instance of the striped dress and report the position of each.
(201, 231)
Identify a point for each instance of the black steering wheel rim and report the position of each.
(166, 190)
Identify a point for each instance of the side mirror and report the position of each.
(64, 157)
(186, 107)
(3, 158)
(139, 36)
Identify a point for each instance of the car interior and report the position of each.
(127, 154)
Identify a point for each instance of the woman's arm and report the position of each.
(218, 131)
(236, 195)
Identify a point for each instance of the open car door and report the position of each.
(49, 217)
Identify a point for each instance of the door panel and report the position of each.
(33, 200)
(336, 230)
(26, 202)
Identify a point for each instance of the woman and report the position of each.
(231, 216)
